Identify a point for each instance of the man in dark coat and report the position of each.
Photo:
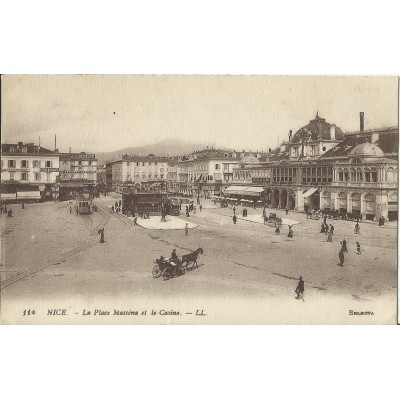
(344, 245)
(341, 257)
(300, 289)
(234, 219)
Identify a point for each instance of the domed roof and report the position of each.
(250, 159)
(317, 129)
(367, 149)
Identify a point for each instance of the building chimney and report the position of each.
(332, 132)
(361, 122)
(290, 135)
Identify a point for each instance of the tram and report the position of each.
(83, 206)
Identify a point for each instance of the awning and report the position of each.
(236, 189)
(8, 196)
(29, 195)
(309, 192)
(254, 191)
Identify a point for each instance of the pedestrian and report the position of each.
(287, 210)
(116, 205)
(186, 229)
(344, 245)
(9, 213)
(200, 207)
(324, 219)
(358, 248)
(341, 257)
(112, 208)
(5, 209)
(234, 219)
(330, 237)
(277, 231)
(120, 202)
(357, 228)
(23, 205)
(101, 231)
(70, 209)
(135, 221)
(300, 289)
(234, 210)
(332, 229)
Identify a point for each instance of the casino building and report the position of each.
(320, 167)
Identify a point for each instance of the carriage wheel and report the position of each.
(167, 273)
(181, 271)
(156, 272)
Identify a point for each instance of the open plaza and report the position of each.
(51, 255)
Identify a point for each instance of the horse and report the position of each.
(191, 258)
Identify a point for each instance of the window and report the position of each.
(24, 150)
(144, 176)
(161, 170)
(48, 177)
(162, 176)
(217, 167)
(155, 176)
(137, 164)
(143, 164)
(11, 149)
(11, 176)
(150, 175)
(49, 164)
(36, 163)
(24, 176)
(374, 175)
(127, 164)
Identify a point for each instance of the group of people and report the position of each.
(7, 211)
(344, 249)
(117, 206)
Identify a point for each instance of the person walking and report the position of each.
(23, 205)
(234, 210)
(332, 229)
(330, 237)
(135, 221)
(70, 209)
(186, 229)
(358, 248)
(234, 219)
(200, 207)
(287, 210)
(344, 245)
(341, 257)
(101, 233)
(9, 213)
(300, 289)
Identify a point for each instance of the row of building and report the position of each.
(30, 172)
(318, 167)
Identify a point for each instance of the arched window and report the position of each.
(340, 174)
(359, 176)
(353, 175)
(367, 175)
(374, 175)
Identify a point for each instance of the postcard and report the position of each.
(199, 199)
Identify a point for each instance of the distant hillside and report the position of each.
(168, 148)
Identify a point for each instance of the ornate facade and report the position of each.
(322, 168)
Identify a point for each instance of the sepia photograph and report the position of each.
(199, 199)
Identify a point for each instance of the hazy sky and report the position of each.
(108, 112)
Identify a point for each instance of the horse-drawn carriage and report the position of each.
(274, 221)
(168, 268)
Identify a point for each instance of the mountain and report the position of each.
(167, 148)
